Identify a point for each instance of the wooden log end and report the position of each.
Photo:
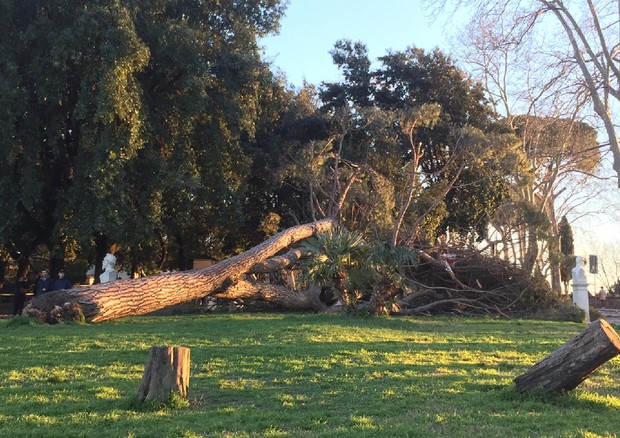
(609, 331)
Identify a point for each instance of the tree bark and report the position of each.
(574, 362)
(166, 372)
(133, 297)
(308, 299)
(380, 295)
(277, 263)
(531, 254)
(101, 248)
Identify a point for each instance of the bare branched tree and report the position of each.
(577, 45)
(541, 88)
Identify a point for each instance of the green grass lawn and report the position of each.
(295, 375)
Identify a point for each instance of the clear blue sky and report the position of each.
(311, 27)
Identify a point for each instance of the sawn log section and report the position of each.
(165, 372)
(574, 362)
(123, 298)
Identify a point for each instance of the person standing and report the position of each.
(43, 284)
(602, 297)
(62, 282)
(21, 289)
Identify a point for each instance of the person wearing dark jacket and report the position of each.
(21, 288)
(43, 284)
(62, 282)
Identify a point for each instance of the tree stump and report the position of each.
(574, 362)
(166, 371)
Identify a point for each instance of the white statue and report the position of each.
(580, 287)
(108, 265)
(578, 272)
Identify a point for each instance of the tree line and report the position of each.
(157, 127)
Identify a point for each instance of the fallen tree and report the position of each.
(124, 298)
(473, 285)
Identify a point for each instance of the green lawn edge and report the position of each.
(298, 375)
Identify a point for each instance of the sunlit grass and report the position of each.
(298, 375)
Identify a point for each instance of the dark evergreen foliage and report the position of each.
(131, 120)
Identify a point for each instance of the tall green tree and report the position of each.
(127, 120)
(460, 161)
(567, 249)
(561, 154)
(76, 119)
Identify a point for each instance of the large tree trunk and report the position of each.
(123, 298)
(572, 363)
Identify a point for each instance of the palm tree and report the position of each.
(337, 261)
(387, 263)
(342, 261)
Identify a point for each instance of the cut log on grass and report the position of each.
(166, 372)
(123, 298)
(574, 362)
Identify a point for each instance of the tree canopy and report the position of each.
(418, 114)
(129, 120)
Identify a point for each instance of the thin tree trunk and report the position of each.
(531, 253)
(124, 298)
(3, 267)
(101, 248)
(23, 265)
(57, 260)
(181, 262)
(408, 197)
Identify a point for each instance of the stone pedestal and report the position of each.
(580, 288)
